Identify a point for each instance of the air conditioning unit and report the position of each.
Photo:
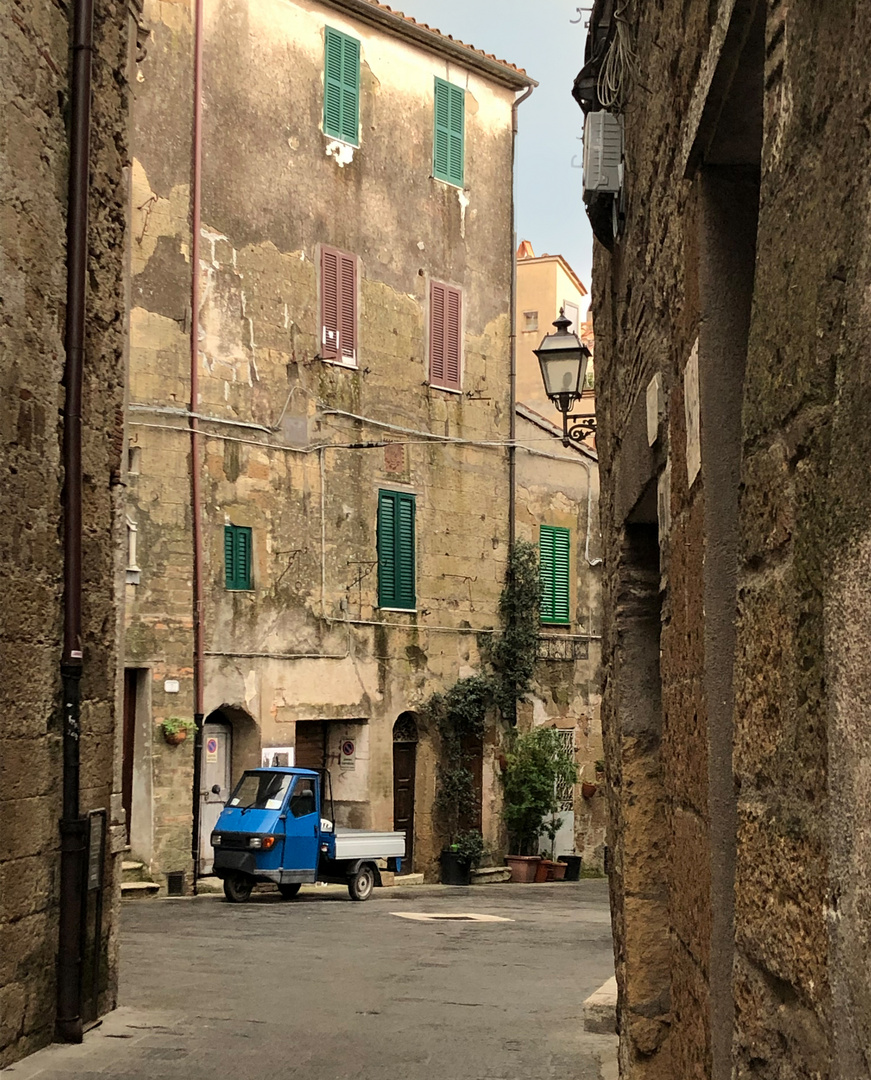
(603, 154)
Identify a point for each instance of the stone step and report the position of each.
(139, 890)
(131, 870)
(408, 879)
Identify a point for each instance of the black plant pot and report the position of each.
(456, 870)
(573, 873)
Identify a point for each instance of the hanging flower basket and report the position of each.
(175, 731)
(588, 790)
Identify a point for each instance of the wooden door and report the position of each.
(129, 744)
(404, 759)
(310, 750)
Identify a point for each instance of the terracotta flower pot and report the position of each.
(176, 737)
(588, 790)
(523, 867)
(559, 870)
(543, 872)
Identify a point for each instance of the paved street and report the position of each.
(327, 989)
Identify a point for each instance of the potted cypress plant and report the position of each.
(535, 762)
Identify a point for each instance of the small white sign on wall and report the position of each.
(272, 757)
(170, 686)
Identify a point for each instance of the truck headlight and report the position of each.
(255, 842)
(264, 843)
(215, 839)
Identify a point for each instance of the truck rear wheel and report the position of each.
(288, 892)
(361, 884)
(237, 888)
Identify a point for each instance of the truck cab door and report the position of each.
(302, 828)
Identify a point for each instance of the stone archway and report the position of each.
(231, 744)
(405, 739)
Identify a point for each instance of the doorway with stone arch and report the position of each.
(230, 745)
(405, 739)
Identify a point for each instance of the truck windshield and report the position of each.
(260, 791)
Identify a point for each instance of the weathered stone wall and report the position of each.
(751, 857)
(34, 97)
(309, 642)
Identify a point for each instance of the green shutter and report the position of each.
(341, 85)
(237, 557)
(405, 553)
(554, 562)
(449, 132)
(386, 549)
(396, 558)
(229, 557)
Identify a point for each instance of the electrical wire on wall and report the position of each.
(619, 69)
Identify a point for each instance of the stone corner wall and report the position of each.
(34, 96)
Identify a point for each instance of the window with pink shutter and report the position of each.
(338, 306)
(445, 336)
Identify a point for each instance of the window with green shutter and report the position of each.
(237, 557)
(553, 561)
(341, 86)
(449, 132)
(396, 550)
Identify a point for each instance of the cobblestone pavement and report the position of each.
(327, 989)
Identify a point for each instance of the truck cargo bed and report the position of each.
(368, 844)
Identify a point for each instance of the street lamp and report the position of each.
(563, 360)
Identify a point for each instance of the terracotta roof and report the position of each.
(519, 74)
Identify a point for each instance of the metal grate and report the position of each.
(565, 794)
(562, 647)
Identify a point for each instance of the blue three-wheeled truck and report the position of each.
(279, 826)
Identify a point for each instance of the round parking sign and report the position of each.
(348, 748)
(211, 749)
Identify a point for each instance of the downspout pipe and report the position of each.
(512, 376)
(196, 494)
(72, 825)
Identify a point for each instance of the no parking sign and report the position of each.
(211, 750)
(347, 754)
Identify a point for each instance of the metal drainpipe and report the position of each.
(72, 825)
(512, 378)
(196, 500)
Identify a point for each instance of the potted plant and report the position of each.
(175, 730)
(553, 870)
(535, 763)
(463, 855)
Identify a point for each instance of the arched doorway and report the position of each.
(404, 765)
(231, 744)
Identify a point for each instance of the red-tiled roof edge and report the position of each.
(380, 14)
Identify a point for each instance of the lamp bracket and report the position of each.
(577, 428)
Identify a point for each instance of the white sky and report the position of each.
(538, 35)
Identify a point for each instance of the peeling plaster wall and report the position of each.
(274, 189)
(566, 692)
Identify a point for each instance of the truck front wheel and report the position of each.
(361, 884)
(237, 888)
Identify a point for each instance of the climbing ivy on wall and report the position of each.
(459, 714)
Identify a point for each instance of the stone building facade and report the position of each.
(35, 107)
(352, 350)
(732, 325)
(557, 493)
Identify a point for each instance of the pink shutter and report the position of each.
(348, 308)
(329, 303)
(452, 338)
(437, 334)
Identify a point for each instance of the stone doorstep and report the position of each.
(491, 875)
(139, 890)
(600, 1009)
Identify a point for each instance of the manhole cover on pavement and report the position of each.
(425, 916)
